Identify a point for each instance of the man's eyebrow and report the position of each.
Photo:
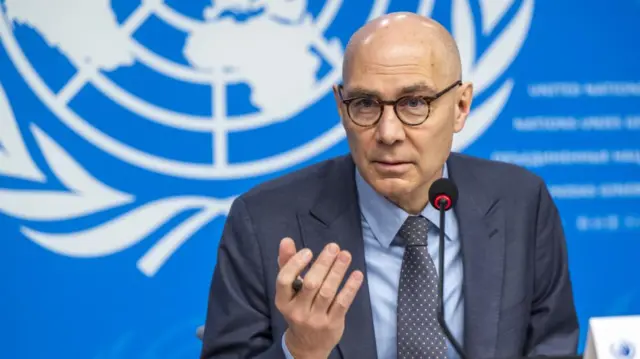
(363, 92)
(419, 87)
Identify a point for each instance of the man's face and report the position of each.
(395, 159)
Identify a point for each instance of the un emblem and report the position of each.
(194, 97)
(623, 350)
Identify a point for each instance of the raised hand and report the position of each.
(315, 314)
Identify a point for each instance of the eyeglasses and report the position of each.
(412, 110)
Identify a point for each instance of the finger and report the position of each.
(315, 276)
(286, 251)
(288, 273)
(329, 288)
(344, 299)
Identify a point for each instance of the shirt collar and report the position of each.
(385, 218)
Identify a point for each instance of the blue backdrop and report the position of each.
(127, 127)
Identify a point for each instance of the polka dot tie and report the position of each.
(419, 333)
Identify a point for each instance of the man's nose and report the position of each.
(390, 128)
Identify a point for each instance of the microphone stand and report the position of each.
(442, 203)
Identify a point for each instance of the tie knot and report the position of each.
(414, 231)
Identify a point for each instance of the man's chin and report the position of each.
(392, 186)
(391, 169)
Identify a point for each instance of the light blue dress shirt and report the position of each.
(381, 221)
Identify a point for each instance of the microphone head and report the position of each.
(443, 189)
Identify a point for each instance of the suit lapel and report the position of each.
(482, 225)
(336, 217)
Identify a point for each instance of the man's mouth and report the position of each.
(391, 165)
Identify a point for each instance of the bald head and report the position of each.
(404, 34)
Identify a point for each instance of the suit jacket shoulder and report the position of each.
(500, 180)
(299, 189)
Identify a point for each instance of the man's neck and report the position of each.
(413, 204)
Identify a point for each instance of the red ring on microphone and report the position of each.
(446, 198)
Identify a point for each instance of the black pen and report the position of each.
(297, 284)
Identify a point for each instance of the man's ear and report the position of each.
(463, 106)
(336, 96)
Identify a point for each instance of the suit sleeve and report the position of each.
(553, 328)
(238, 314)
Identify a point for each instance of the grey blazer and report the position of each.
(517, 290)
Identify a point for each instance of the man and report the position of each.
(370, 237)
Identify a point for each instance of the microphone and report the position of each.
(443, 195)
